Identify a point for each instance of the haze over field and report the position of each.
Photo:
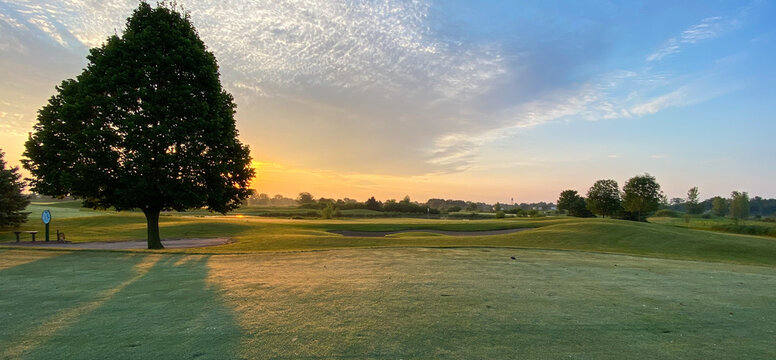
(453, 99)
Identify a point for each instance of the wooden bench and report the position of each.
(28, 232)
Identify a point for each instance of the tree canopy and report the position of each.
(12, 201)
(305, 198)
(573, 204)
(603, 198)
(641, 195)
(720, 206)
(146, 126)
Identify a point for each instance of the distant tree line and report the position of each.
(720, 206)
(641, 196)
(434, 206)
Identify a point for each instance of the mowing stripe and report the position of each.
(9, 259)
(66, 317)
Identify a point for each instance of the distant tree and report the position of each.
(500, 214)
(322, 201)
(664, 201)
(391, 205)
(261, 199)
(328, 211)
(641, 195)
(693, 207)
(12, 201)
(276, 200)
(519, 212)
(146, 125)
(756, 206)
(373, 204)
(497, 207)
(720, 206)
(305, 198)
(470, 206)
(676, 202)
(573, 204)
(454, 209)
(739, 206)
(603, 198)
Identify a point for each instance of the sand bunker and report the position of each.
(443, 232)
(168, 243)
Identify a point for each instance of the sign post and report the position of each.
(46, 217)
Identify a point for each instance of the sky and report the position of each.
(476, 100)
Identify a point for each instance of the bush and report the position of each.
(500, 214)
(666, 213)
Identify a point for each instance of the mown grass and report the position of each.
(252, 234)
(381, 304)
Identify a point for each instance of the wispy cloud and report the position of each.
(379, 77)
(708, 28)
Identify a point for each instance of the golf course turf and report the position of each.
(382, 303)
(565, 288)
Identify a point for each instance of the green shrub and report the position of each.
(499, 214)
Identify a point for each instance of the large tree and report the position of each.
(603, 198)
(145, 126)
(12, 201)
(641, 195)
(573, 204)
(739, 206)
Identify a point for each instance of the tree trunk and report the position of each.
(152, 220)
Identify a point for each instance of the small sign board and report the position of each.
(46, 217)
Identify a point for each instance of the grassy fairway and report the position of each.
(382, 303)
(254, 234)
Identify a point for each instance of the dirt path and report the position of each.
(443, 232)
(168, 243)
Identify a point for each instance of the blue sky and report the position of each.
(456, 99)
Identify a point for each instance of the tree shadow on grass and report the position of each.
(167, 310)
(33, 293)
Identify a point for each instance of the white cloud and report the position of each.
(708, 28)
(12, 123)
(377, 72)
